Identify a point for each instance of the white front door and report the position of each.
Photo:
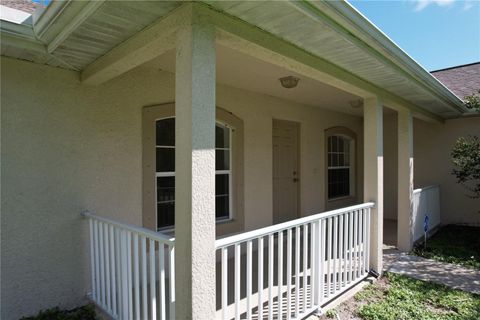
(285, 170)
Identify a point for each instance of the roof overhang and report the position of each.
(326, 40)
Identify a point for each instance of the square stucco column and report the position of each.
(195, 172)
(373, 175)
(405, 180)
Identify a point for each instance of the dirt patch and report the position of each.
(349, 309)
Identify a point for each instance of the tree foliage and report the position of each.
(472, 102)
(466, 159)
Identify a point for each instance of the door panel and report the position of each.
(285, 170)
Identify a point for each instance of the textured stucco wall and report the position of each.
(67, 147)
(390, 152)
(433, 144)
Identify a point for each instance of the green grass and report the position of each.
(404, 298)
(83, 313)
(453, 244)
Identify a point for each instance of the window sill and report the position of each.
(341, 198)
(171, 231)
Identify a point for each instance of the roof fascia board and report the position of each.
(59, 17)
(276, 50)
(71, 26)
(147, 44)
(18, 30)
(48, 16)
(345, 19)
(22, 42)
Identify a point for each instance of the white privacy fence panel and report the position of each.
(289, 270)
(132, 270)
(426, 201)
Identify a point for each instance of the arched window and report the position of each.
(340, 164)
(158, 166)
(165, 172)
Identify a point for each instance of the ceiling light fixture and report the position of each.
(289, 82)
(356, 103)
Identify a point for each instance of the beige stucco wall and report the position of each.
(432, 147)
(390, 166)
(67, 147)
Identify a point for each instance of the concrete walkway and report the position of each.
(451, 275)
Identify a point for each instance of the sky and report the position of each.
(436, 33)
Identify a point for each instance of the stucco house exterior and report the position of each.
(200, 160)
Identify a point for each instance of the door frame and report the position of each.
(299, 169)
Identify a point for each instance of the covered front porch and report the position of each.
(274, 210)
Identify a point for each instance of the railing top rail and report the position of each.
(426, 188)
(242, 237)
(142, 231)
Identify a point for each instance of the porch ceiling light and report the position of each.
(356, 103)
(289, 82)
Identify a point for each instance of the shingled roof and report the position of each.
(462, 80)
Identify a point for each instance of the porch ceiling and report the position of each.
(75, 34)
(242, 71)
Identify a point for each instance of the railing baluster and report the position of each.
(329, 257)
(249, 279)
(92, 259)
(102, 264)
(280, 274)
(153, 294)
(224, 282)
(106, 251)
(237, 280)
(355, 239)
(313, 271)
(364, 231)
(345, 246)
(289, 274)
(368, 238)
(350, 236)
(340, 252)
(172, 281)
(143, 241)
(114, 269)
(305, 257)
(118, 265)
(260, 277)
(321, 259)
(136, 277)
(161, 278)
(335, 253)
(271, 248)
(316, 262)
(129, 272)
(362, 243)
(297, 271)
(123, 251)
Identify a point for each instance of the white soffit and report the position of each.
(87, 38)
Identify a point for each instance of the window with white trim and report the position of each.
(339, 166)
(165, 172)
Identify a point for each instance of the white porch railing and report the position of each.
(426, 201)
(285, 271)
(132, 270)
(308, 262)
